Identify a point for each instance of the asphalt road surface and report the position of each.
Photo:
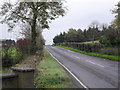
(91, 72)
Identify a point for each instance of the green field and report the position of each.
(90, 42)
(51, 74)
(116, 58)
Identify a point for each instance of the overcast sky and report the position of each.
(79, 15)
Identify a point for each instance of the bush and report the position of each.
(10, 56)
(104, 40)
(15, 55)
(24, 45)
(4, 52)
(6, 61)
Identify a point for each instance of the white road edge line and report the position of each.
(95, 63)
(69, 72)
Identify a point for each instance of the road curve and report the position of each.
(94, 72)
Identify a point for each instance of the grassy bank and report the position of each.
(0, 71)
(90, 42)
(5, 71)
(116, 58)
(51, 74)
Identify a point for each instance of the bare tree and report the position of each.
(94, 24)
(26, 31)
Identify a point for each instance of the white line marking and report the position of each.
(77, 57)
(69, 71)
(91, 62)
(95, 63)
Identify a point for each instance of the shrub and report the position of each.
(24, 45)
(6, 61)
(15, 55)
(104, 40)
(4, 52)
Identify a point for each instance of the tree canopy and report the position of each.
(91, 34)
(33, 13)
(116, 20)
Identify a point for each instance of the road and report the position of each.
(92, 72)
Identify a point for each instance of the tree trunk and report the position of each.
(34, 35)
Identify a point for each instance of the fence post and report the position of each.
(25, 76)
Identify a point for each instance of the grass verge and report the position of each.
(51, 74)
(116, 58)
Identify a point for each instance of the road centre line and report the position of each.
(69, 71)
(77, 57)
(91, 62)
(95, 63)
